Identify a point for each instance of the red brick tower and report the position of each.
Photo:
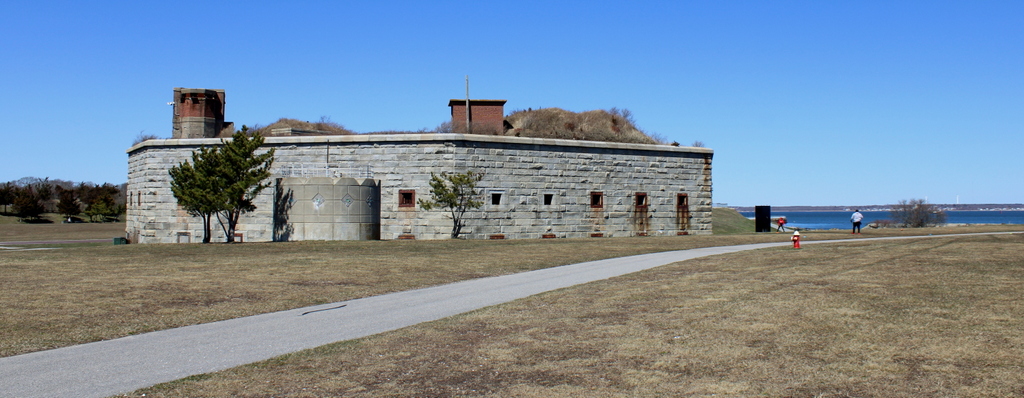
(485, 116)
(198, 113)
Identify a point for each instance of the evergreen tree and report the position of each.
(454, 192)
(27, 204)
(44, 193)
(67, 204)
(194, 186)
(7, 192)
(223, 181)
(102, 209)
(241, 175)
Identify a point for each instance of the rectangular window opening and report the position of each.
(596, 200)
(495, 198)
(406, 198)
(548, 199)
(640, 200)
(682, 202)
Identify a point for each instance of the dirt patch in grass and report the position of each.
(929, 317)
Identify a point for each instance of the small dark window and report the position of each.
(640, 200)
(406, 198)
(495, 198)
(548, 198)
(596, 200)
(683, 202)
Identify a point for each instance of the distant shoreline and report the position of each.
(947, 207)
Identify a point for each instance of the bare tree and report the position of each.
(915, 213)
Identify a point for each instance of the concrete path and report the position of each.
(111, 367)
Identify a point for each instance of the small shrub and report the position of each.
(915, 213)
(444, 128)
(143, 138)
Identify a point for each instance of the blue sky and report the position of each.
(804, 102)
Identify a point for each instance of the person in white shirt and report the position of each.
(856, 219)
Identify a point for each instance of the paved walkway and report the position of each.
(111, 367)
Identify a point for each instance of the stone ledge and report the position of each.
(412, 138)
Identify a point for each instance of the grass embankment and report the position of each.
(928, 317)
(598, 125)
(729, 221)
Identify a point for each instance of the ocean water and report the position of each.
(841, 219)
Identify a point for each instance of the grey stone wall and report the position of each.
(329, 209)
(521, 174)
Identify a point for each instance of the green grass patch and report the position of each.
(726, 221)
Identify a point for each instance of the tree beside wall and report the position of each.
(194, 186)
(454, 192)
(223, 181)
(242, 174)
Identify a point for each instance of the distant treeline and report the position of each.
(944, 207)
(29, 197)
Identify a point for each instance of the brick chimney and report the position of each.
(485, 116)
(198, 113)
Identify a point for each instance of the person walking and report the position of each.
(856, 219)
(782, 224)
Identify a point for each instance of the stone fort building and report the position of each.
(344, 187)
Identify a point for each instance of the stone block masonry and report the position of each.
(532, 188)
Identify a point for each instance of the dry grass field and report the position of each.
(858, 319)
(12, 232)
(73, 295)
(939, 317)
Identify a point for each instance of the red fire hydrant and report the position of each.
(796, 239)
